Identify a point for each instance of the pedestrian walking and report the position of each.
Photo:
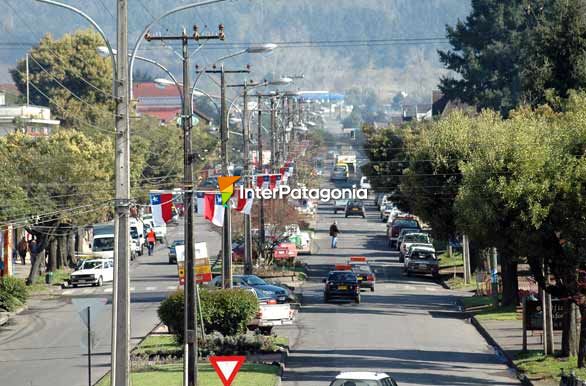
(22, 248)
(151, 240)
(334, 232)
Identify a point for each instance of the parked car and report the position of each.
(94, 272)
(404, 232)
(339, 205)
(411, 239)
(270, 313)
(355, 208)
(399, 223)
(302, 241)
(388, 210)
(421, 260)
(173, 251)
(363, 379)
(342, 285)
(280, 294)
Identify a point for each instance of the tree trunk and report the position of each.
(71, 249)
(570, 332)
(53, 263)
(37, 262)
(582, 341)
(510, 282)
(62, 251)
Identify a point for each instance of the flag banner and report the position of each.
(200, 202)
(244, 204)
(218, 214)
(161, 207)
(273, 181)
(209, 206)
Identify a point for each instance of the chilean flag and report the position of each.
(244, 204)
(161, 207)
(273, 181)
(263, 181)
(209, 205)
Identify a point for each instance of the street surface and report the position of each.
(42, 346)
(409, 327)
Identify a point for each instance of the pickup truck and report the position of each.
(271, 314)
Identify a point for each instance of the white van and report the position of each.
(138, 235)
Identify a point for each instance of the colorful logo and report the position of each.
(227, 188)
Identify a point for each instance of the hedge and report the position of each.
(13, 293)
(227, 311)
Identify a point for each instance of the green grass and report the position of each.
(158, 344)
(457, 283)
(282, 341)
(171, 375)
(39, 286)
(481, 307)
(448, 262)
(538, 366)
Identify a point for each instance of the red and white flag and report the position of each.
(218, 216)
(244, 204)
(161, 207)
(209, 205)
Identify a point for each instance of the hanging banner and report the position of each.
(202, 268)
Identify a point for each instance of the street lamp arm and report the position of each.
(93, 23)
(156, 20)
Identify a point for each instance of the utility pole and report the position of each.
(227, 228)
(260, 164)
(190, 369)
(28, 93)
(273, 134)
(120, 366)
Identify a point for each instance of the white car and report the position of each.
(363, 379)
(95, 272)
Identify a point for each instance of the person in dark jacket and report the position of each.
(334, 232)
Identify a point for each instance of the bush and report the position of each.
(13, 293)
(242, 344)
(225, 311)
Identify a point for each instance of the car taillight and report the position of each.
(370, 277)
(272, 301)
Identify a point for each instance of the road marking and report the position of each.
(409, 287)
(432, 289)
(108, 290)
(172, 287)
(67, 292)
(151, 288)
(132, 289)
(86, 291)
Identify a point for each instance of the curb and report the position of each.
(490, 340)
(281, 364)
(6, 316)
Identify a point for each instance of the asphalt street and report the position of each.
(409, 327)
(42, 346)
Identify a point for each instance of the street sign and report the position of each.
(96, 306)
(227, 367)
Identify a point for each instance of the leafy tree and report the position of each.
(486, 55)
(69, 71)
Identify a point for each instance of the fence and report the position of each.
(571, 380)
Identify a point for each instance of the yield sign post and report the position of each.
(227, 367)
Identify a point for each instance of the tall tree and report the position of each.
(69, 76)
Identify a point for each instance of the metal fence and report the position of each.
(571, 380)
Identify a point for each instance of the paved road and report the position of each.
(42, 345)
(408, 327)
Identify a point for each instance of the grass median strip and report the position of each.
(251, 374)
(448, 262)
(482, 308)
(538, 366)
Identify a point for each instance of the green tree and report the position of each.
(76, 81)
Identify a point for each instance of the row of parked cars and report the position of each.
(406, 234)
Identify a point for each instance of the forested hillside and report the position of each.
(378, 43)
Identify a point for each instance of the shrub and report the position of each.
(242, 344)
(13, 293)
(225, 311)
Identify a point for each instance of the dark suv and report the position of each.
(399, 223)
(342, 285)
(355, 208)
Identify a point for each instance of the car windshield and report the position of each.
(343, 382)
(103, 244)
(178, 242)
(342, 276)
(90, 265)
(253, 280)
(361, 268)
(416, 238)
(406, 224)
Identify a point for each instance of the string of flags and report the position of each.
(212, 206)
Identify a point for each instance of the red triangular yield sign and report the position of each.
(227, 367)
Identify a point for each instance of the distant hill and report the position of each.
(360, 43)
